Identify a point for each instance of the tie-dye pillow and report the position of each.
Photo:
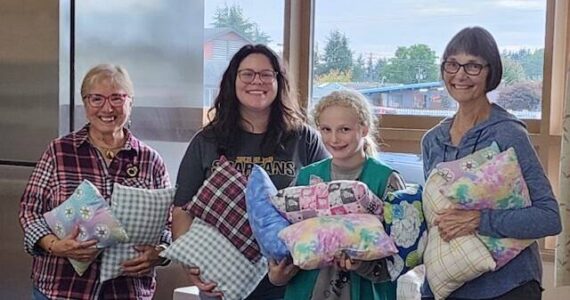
(452, 170)
(315, 242)
(339, 197)
(406, 225)
(265, 220)
(497, 184)
(89, 211)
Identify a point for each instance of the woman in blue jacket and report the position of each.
(471, 67)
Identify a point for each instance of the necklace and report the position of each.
(108, 152)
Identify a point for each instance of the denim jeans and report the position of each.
(37, 295)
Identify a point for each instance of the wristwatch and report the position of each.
(159, 248)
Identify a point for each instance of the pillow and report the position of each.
(315, 242)
(143, 213)
(338, 197)
(88, 210)
(265, 220)
(219, 261)
(497, 184)
(410, 284)
(449, 264)
(220, 202)
(406, 225)
(452, 170)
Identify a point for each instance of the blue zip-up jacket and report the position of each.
(537, 221)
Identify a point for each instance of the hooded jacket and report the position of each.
(537, 221)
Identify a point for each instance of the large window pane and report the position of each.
(175, 52)
(391, 50)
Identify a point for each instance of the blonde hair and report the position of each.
(115, 74)
(359, 105)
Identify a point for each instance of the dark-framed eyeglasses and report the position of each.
(453, 67)
(98, 100)
(248, 75)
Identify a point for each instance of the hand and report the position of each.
(71, 248)
(206, 288)
(346, 263)
(280, 273)
(143, 264)
(454, 223)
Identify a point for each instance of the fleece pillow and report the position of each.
(265, 220)
(406, 225)
(338, 197)
(219, 261)
(497, 184)
(220, 202)
(89, 211)
(449, 264)
(452, 170)
(143, 213)
(315, 242)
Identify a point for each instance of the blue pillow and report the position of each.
(405, 223)
(265, 220)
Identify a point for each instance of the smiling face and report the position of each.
(107, 119)
(256, 96)
(464, 87)
(343, 135)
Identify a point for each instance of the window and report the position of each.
(391, 51)
(175, 52)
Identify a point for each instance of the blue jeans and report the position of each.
(37, 295)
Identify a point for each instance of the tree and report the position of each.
(233, 17)
(531, 61)
(334, 76)
(524, 95)
(513, 72)
(338, 55)
(359, 70)
(412, 65)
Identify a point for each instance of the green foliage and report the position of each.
(414, 64)
(337, 56)
(531, 61)
(233, 17)
(334, 76)
(359, 70)
(512, 71)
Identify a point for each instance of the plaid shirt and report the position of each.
(63, 166)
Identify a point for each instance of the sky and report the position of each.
(378, 27)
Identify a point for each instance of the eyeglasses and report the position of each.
(453, 67)
(98, 100)
(248, 75)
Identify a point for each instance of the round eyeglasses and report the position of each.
(453, 67)
(248, 75)
(98, 100)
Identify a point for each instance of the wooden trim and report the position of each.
(298, 46)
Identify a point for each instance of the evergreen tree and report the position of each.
(233, 17)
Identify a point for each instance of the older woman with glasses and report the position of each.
(255, 118)
(471, 68)
(101, 152)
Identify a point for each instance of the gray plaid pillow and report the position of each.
(219, 261)
(143, 213)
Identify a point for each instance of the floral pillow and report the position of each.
(338, 197)
(497, 184)
(315, 242)
(452, 170)
(450, 264)
(143, 213)
(265, 220)
(219, 261)
(89, 211)
(220, 202)
(406, 225)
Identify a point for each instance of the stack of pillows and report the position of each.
(135, 217)
(486, 179)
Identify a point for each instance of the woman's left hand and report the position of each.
(143, 264)
(454, 223)
(345, 263)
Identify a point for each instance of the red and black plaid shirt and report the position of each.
(63, 166)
